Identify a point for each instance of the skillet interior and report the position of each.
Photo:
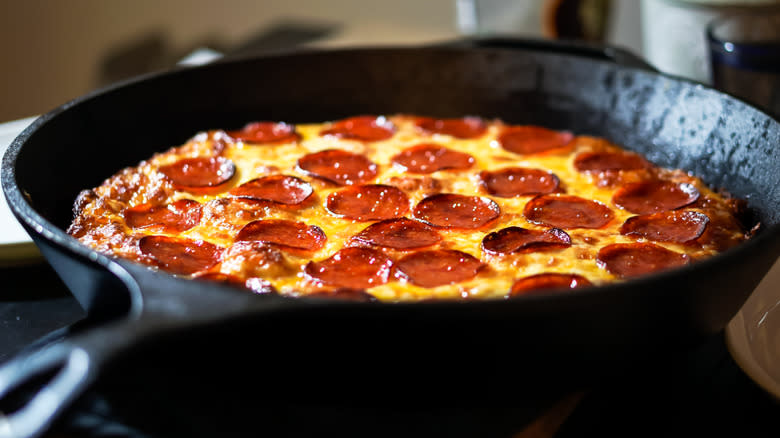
(675, 123)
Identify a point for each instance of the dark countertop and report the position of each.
(701, 391)
(698, 391)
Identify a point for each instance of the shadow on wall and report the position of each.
(153, 51)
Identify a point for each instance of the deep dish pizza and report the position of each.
(405, 208)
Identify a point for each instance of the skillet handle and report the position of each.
(617, 55)
(60, 372)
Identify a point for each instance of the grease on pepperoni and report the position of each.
(363, 128)
(285, 233)
(520, 240)
(171, 218)
(457, 211)
(266, 132)
(368, 202)
(401, 233)
(429, 157)
(566, 211)
(464, 128)
(677, 226)
(654, 196)
(528, 140)
(178, 255)
(282, 189)
(353, 267)
(519, 181)
(202, 175)
(633, 259)
(545, 281)
(438, 267)
(340, 167)
(609, 161)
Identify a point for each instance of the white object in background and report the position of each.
(674, 36)
(200, 56)
(16, 247)
(485, 17)
(753, 336)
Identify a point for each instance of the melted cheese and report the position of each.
(253, 161)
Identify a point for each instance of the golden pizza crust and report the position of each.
(100, 213)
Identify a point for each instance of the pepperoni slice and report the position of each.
(340, 167)
(200, 175)
(266, 132)
(519, 181)
(457, 211)
(401, 233)
(533, 139)
(438, 267)
(566, 211)
(354, 268)
(654, 196)
(180, 256)
(256, 259)
(282, 189)
(677, 226)
(345, 294)
(634, 259)
(429, 157)
(520, 240)
(368, 202)
(605, 161)
(363, 128)
(172, 218)
(285, 233)
(466, 127)
(538, 282)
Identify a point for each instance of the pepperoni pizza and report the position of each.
(405, 208)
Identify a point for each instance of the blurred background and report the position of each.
(59, 50)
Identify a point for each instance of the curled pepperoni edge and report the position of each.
(447, 158)
(244, 191)
(416, 269)
(318, 238)
(247, 133)
(468, 127)
(667, 258)
(626, 161)
(558, 140)
(361, 128)
(672, 221)
(222, 177)
(348, 202)
(308, 162)
(634, 197)
(186, 214)
(597, 209)
(559, 239)
(484, 221)
(377, 266)
(168, 257)
(488, 181)
(373, 234)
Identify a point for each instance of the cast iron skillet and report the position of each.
(488, 346)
